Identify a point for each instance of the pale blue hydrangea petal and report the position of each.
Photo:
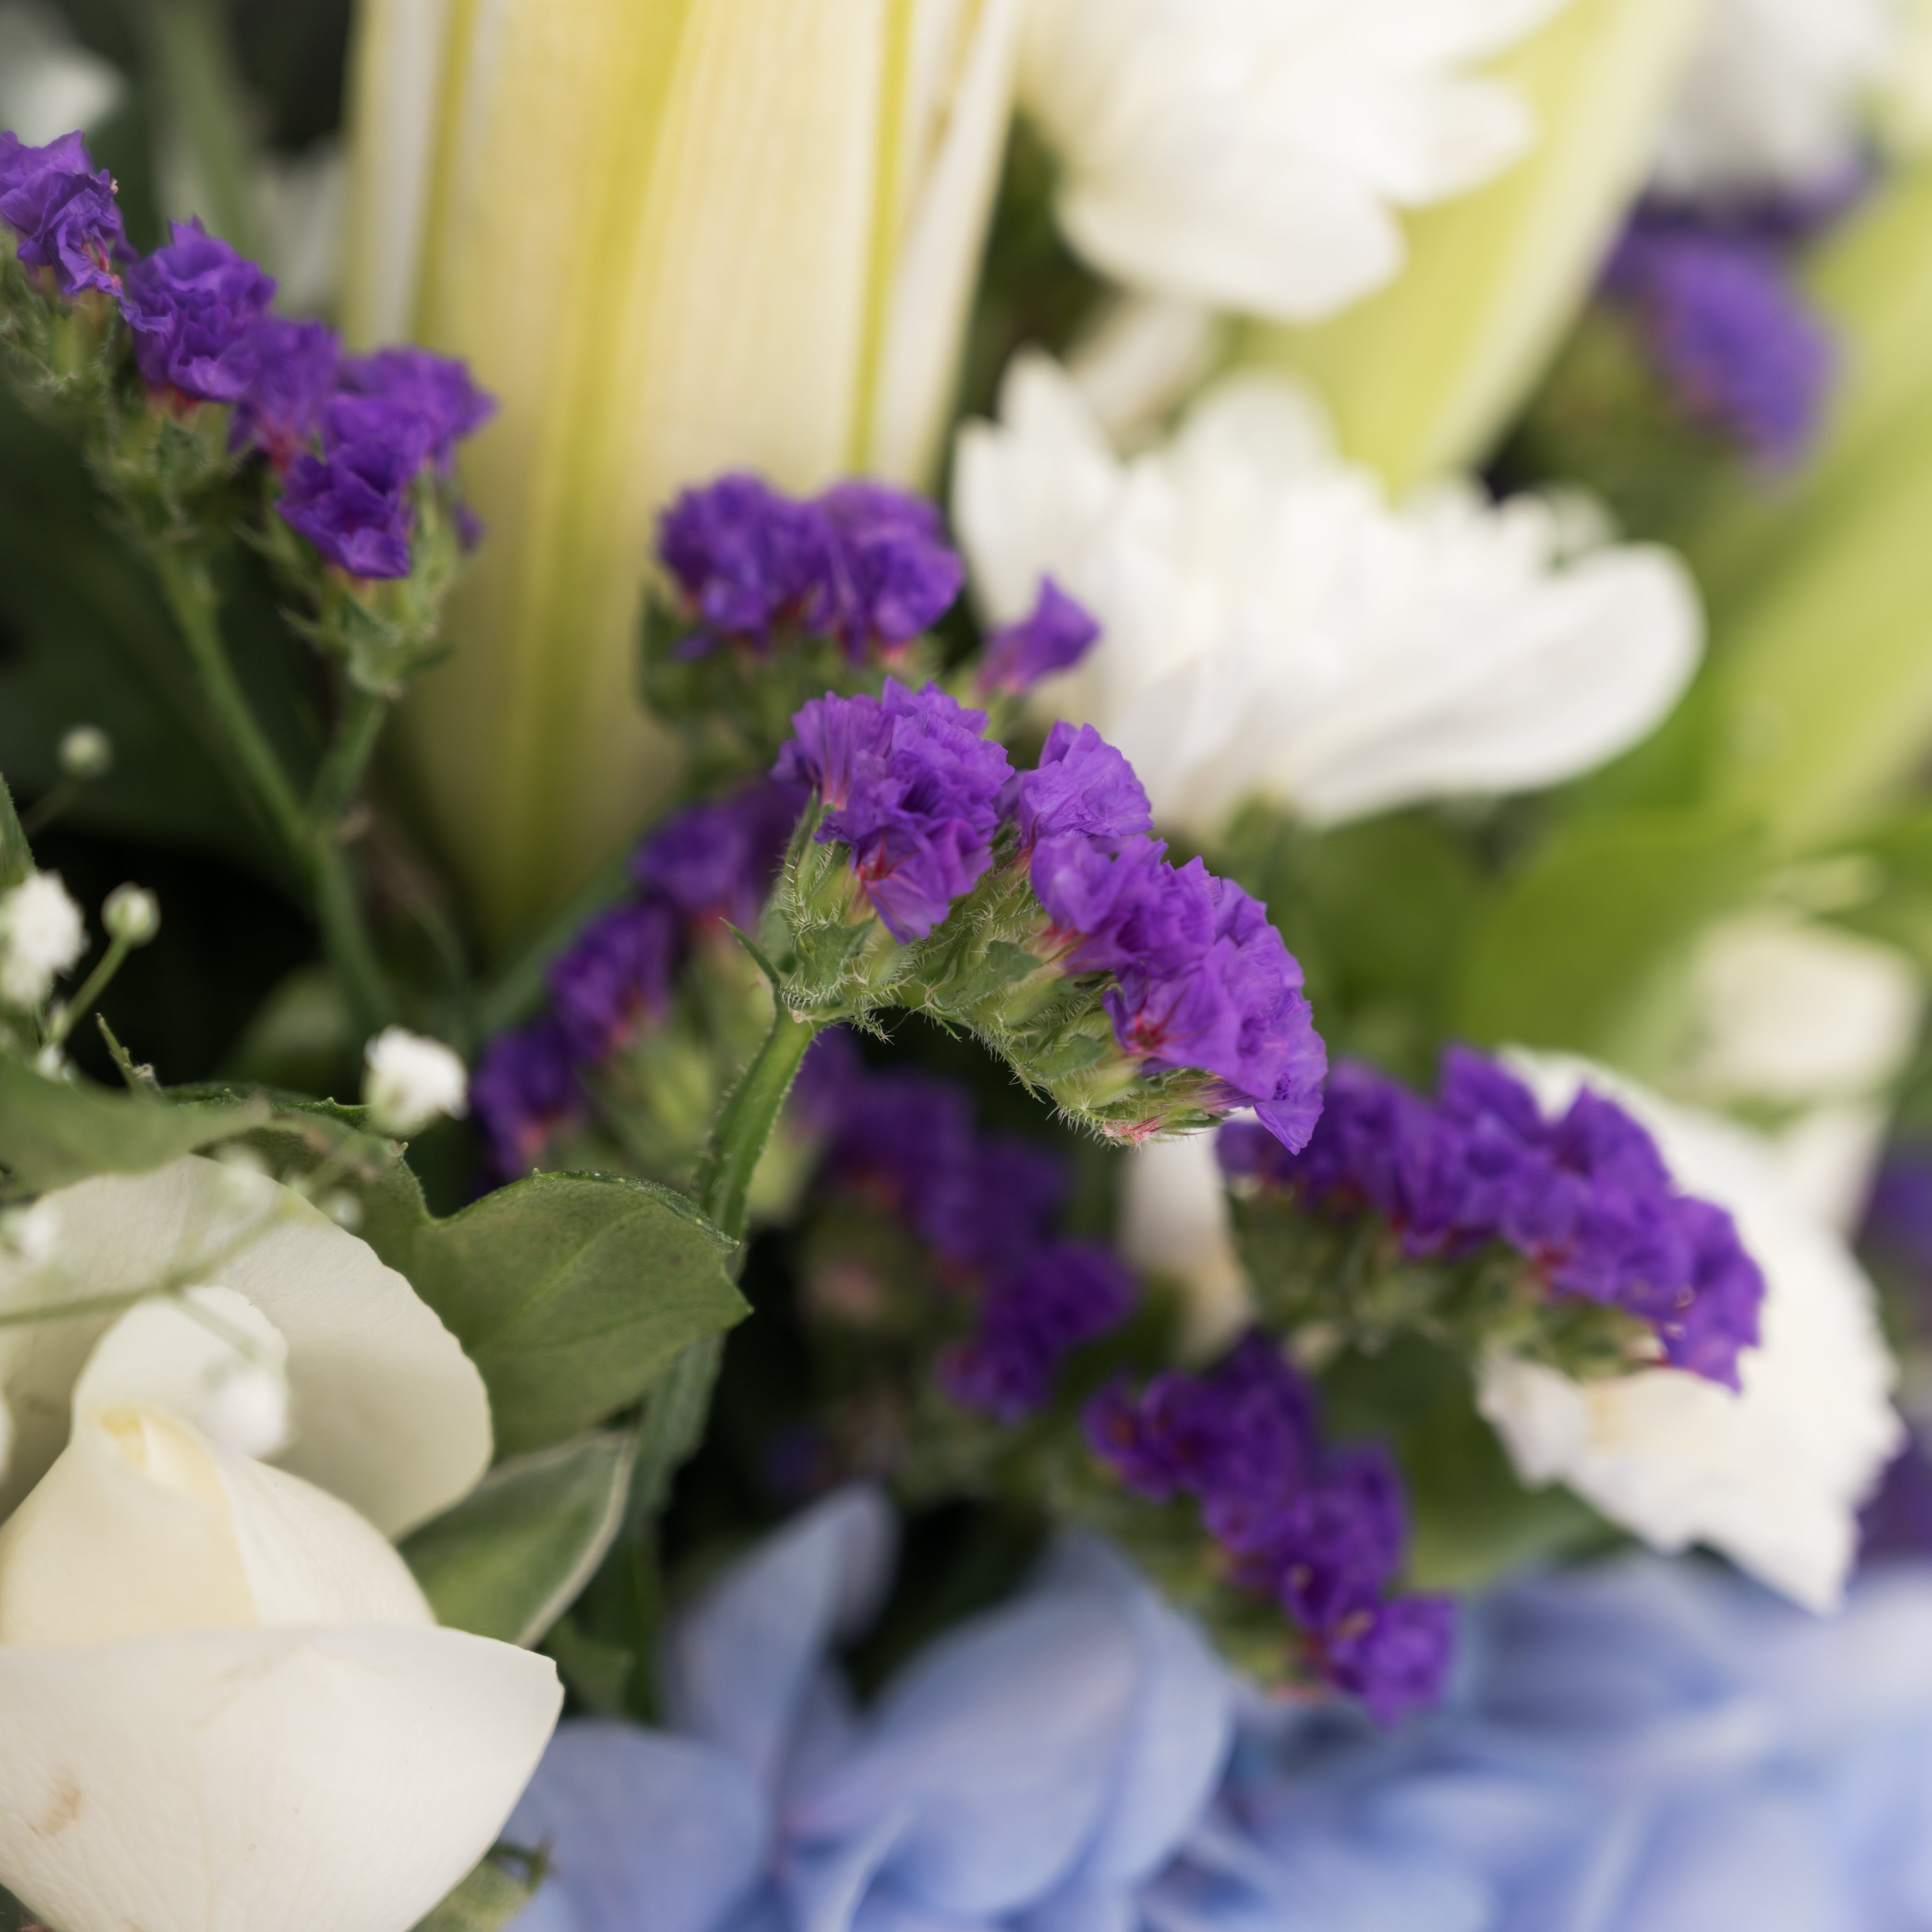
(738, 1669)
(647, 1833)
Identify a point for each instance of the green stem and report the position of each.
(96, 983)
(363, 717)
(191, 596)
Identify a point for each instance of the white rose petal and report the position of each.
(412, 1081)
(1271, 625)
(1249, 155)
(386, 1411)
(224, 1701)
(42, 934)
(1772, 1477)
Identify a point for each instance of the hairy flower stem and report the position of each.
(315, 850)
(674, 1413)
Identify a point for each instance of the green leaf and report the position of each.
(509, 1559)
(489, 1898)
(1578, 952)
(53, 1132)
(16, 858)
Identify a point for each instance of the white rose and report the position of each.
(1772, 1476)
(1271, 625)
(224, 1705)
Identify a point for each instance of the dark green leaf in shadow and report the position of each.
(16, 859)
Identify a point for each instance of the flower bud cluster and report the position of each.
(984, 1210)
(1319, 1531)
(1582, 1207)
(613, 991)
(1035, 909)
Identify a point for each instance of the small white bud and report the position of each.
(31, 1234)
(86, 753)
(344, 1208)
(411, 1081)
(132, 915)
(42, 934)
(51, 1063)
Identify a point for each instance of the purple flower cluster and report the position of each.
(1053, 637)
(710, 862)
(64, 214)
(1586, 1198)
(862, 563)
(986, 1207)
(1724, 322)
(1321, 1531)
(911, 786)
(192, 306)
(1202, 979)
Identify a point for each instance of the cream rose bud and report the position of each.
(225, 1705)
(1773, 1475)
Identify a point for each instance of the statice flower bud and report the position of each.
(423, 395)
(64, 213)
(889, 572)
(746, 558)
(615, 977)
(193, 305)
(1052, 638)
(911, 789)
(1320, 1530)
(412, 1081)
(716, 862)
(42, 935)
(1081, 788)
(297, 364)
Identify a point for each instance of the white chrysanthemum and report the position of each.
(1270, 625)
(1773, 1476)
(42, 934)
(1811, 1024)
(1251, 153)
(412, 1081)
(1775, 95)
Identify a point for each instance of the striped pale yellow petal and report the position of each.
(1421, 376)
(673, 237)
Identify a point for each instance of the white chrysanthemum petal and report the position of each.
(1775, 97)
(261, 1781)
(1772, 1477)
(1270, 625)
(1248, 154)
(385, 1411)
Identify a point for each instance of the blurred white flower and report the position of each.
(86, 753)
(1775, 96)
(1175, 1221)
(49, 83)
(1772, 1477)
(131, 914)
(224, 1701)
(1270, 625)
(42, 934)
(1250, 154)
(411, 1081)
(1798, 1019)
(1142, 360)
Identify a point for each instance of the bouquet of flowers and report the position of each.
(963, 965)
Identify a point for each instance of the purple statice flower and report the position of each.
(432, 395)
(987, 1212)
(1125, 910)
(1321, 1531)
(193, 305)
(901, 1140)
(717, 861)
(747, 560)
(1065, 1294)
(354, 505)
(889, 572)
(911, 787)
(615, 977)
(1053, 637)
(523, 1090)
(64, 213)
(1898, 1218)
(1082, 785)
(1586, 1198)
(1722, 320)
(297, 364)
